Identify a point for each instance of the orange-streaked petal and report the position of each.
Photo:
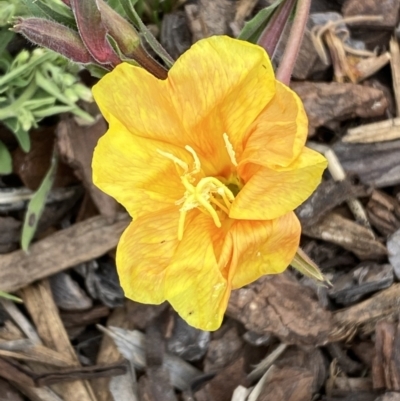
(279, 133)
(220, 86)
(269, 194)
(194, 284)
(144, 253)
(130, 169)
(139, 101)
(262, 247)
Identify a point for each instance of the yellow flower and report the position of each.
(210, 164)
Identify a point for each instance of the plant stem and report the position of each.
(272, 33)
(294, 42)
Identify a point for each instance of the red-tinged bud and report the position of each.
(54, 36)
(67, 2)
(93, 32)
(124, 34)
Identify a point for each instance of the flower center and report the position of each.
(209, 195)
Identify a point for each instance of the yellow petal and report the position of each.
(130, 169)
(194, 284)
(143, 254)
(279, 133)
(220, 86)
(262, 247)
(139, 101)
(269, 194)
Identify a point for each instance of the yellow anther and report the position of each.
(229, 148)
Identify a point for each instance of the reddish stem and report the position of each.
(273, 32)
(294, 42)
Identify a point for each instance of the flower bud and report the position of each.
(93, 32)
(119, 29)
(54, 36)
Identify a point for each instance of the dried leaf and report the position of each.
(37, 203)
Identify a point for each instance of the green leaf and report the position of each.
(33, 9)
(128, 6)
(10, 297)
(5, 38)
(96, 71)
(21, 134)
(5, 160)
(37, 203)
(59, 13)
(253, 28)
(306, 266)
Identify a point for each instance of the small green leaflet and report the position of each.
(306, 266)
(5, 160)
(37, 203)
(253, 28)
(10, 297)
(130, 11)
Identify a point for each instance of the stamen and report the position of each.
(175, 159)
(219, 204)
(229, 148)
(197, 164)
(210, 210)
(228, 203)
(200, 196)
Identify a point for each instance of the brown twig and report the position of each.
(293, 45)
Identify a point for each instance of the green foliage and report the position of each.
(5, 295)
(253, 28)
(5, 160)
(130, 10)
(151, 10)
(35, 85)
(9, 9)
(37, 203)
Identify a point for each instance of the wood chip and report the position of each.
(209, 17)
(389, 397)
(384, 213)
(9, 393)
(329, 103)
(76, 145)
(68, 295)
(381, 131)
(376, 164)
(175, 36)
(287, 383)
(365, 314)
(64, 249)
(224, 349)
(54, 335)
(327, 196)
(281, 306)
(10, 234)
(389, 9)
(80, 373)
(221, 387)
(348, 234)
(395, 64)
(109, 353)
